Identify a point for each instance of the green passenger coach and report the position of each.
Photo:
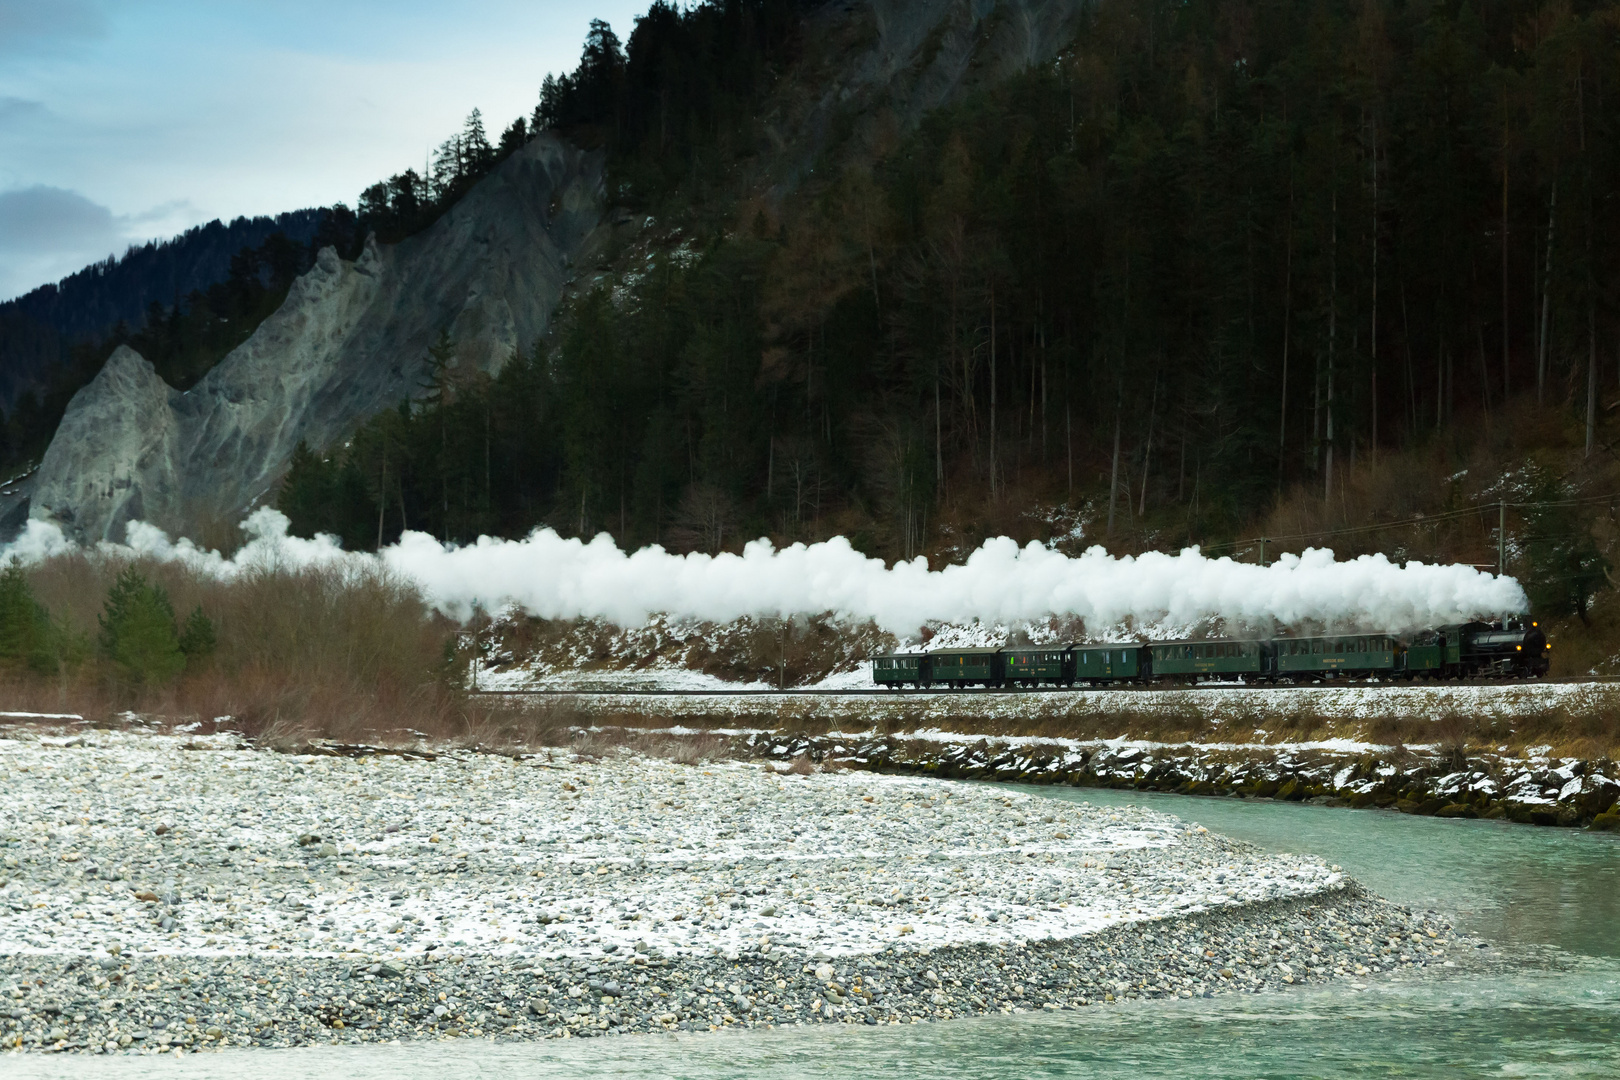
(897, 669)
(1195, 658)
(1110, 663)
(962, 667)
(1363, 653)
(1036, 664)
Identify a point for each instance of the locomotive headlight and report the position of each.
(1518, 648)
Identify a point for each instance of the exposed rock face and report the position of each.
(350, 340)
(875, 68)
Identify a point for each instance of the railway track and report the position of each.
(1336, 684)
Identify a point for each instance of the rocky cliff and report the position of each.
(351, 339)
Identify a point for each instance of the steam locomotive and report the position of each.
(1514, 648)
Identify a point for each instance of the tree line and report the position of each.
(1213, 250)
(139, 642)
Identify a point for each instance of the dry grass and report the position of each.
(347, 655)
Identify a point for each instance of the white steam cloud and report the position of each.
(552, 577)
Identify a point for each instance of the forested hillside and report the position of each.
(185, 303)
(1214, 254)
(39, 328)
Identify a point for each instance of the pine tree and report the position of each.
(307, 492)
(477, 154)
(197, 639)
(25, 627)
(137, 631)
(515, 135)
(1565, 567)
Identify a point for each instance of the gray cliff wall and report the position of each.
(350, 340)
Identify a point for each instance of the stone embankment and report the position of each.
(1536, 789)
(161, 893)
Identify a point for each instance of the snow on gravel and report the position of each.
(1349, 701)
(157, 843)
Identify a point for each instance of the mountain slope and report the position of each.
(351, 339)
(38, 328)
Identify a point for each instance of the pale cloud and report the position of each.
(46, 233)
(41, 217)
(16, 110)
(212, 110)
(48, 230)
(29, 25)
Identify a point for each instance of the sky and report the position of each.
(127, 120)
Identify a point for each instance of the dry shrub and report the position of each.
(522, 724)
(327, 652)
(802, 766)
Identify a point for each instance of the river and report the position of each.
(1547, 899)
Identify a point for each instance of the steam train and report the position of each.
(1514, 648)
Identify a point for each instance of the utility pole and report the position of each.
(1262, 551)
(1501, 537)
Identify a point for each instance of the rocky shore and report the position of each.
(165, 893)
(1536, 788)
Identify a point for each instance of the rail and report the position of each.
(1577, 680)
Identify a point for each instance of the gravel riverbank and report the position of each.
(159, 893)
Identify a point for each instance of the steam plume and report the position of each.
(553, 577)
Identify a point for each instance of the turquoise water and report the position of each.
(1515, 884)
(1546, 899)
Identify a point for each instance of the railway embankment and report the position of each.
(1533, 788)
(1539, 753)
